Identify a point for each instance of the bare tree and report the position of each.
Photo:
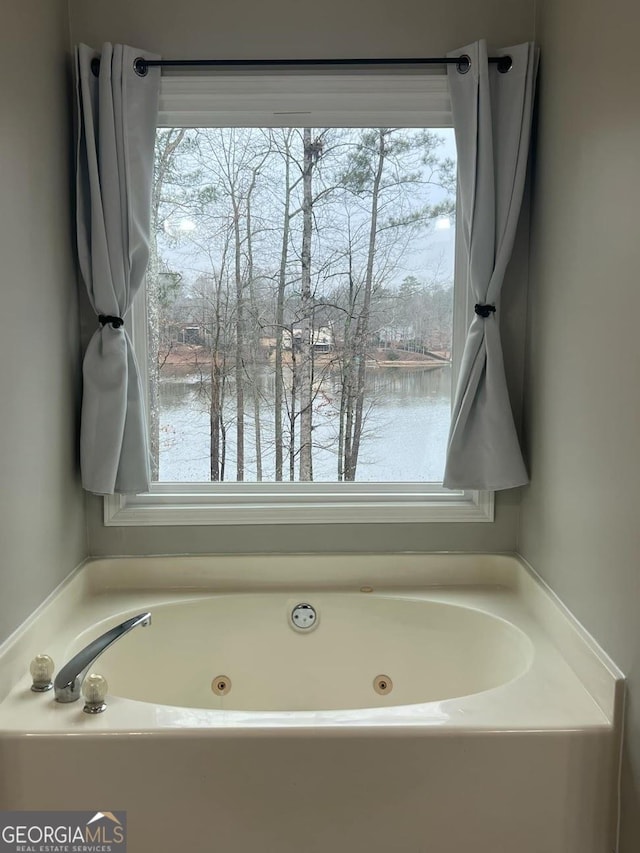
(312, 149)
(291, 232)
(379, 172)
(166, 149)
(234, 159)
(283, 144)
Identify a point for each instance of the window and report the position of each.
(299, 323)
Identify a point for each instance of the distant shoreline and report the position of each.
(428, 365)
(182, 360)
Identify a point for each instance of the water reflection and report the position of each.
(404, 437)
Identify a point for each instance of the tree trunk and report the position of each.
(153, 354)
(214, 420)
(217, 379)
(255, 338)
(363, 321)
(239, 366)
(306, 339)
(292, 410)
(346, 391)
(282, 282)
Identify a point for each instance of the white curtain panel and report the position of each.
(117, 114)
(492, 119)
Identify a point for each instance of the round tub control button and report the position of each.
(304, 617)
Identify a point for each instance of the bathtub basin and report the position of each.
(420, 651)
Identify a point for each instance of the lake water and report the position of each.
(404, 438)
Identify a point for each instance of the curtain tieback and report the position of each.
(484, 310)
(116, 322)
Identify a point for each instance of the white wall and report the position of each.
(290, 28)
(334, 28)
(580, 527)
(42, 529)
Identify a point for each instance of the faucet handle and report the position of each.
(94, 690)
(41, 669)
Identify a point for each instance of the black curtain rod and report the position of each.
(463, 63)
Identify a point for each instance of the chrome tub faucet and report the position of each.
(68, 683)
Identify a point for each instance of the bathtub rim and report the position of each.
(602, 679)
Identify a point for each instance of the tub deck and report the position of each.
(526, 766)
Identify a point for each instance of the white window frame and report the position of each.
(398, 100)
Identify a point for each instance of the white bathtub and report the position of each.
(421, 651)
(499, 732)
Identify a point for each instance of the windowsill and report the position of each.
(173, 504)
